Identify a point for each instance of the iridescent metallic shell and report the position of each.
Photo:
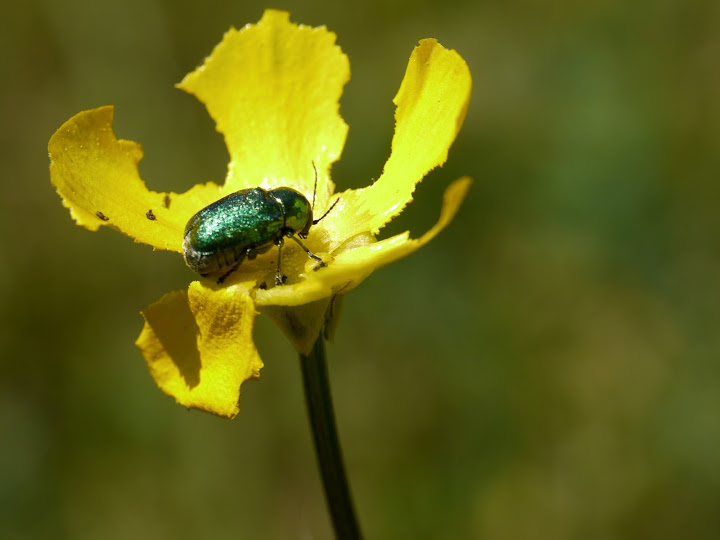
(243, 224)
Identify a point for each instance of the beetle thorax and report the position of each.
(297, 211)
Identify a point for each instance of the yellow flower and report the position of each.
(273, 90)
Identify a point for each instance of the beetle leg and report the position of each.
(310, 253)
(250, 253)
(279, 278)
(226, 274)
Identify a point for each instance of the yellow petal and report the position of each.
(349, 267)
(431, 106)
(97, 177)
(273, 90)
(198, 345)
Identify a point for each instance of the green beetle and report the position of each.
(243, 225)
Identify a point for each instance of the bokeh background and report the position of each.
(547, 368)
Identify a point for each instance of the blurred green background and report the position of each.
(547, 368)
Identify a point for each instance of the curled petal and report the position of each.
(96, 174)
(273, 90)
(431, 106)
(349, 267)
(198, 345)
(300, 324)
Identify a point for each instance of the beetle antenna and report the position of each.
(312, 209)
(315, 221)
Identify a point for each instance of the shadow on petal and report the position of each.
(199, 348)
(170, 337)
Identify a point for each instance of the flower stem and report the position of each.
(327, 445)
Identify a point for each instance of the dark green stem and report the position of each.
(327, 445)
